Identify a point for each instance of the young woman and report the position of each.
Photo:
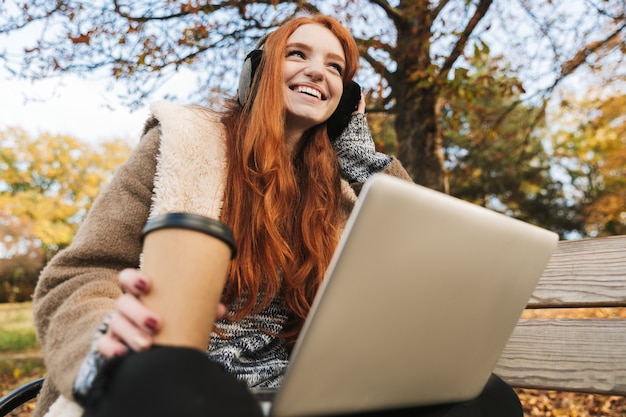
(267, 168)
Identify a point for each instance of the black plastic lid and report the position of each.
(195, 222)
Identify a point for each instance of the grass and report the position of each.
(17, 332)
(20, 352)
(17, 340)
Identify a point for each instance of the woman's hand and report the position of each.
(133, 325)
(356, 152)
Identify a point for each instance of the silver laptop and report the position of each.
(419, 301)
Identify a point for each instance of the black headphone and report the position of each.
(250, 65)
(337, 122)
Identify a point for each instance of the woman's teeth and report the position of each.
(310, 91)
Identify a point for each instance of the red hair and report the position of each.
(283, 209)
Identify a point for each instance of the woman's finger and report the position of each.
(109, 347)
(360, 108)
(123, 330)
(134, 282)
(136, 313)
(221, 311)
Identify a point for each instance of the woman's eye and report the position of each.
(337, 68)
(298, 54)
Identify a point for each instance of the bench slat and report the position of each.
(584, 273)
(587, 355)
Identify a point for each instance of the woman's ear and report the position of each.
(347, 105)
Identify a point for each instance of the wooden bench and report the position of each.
(586, 355)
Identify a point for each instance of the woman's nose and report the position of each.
(314, 71)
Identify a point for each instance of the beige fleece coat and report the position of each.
(179, 165)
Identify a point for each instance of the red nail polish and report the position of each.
(141, 285)
(151, 323)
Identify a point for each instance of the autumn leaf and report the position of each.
(86, 38)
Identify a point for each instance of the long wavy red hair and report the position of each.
(283, 209)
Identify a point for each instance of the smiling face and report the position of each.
(314, 64)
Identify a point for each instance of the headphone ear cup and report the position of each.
(348, 103)
(250, 65)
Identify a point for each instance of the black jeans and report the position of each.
(181, 382)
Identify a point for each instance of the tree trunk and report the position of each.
(416, 92)
(420, 140)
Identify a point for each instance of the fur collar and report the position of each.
(191, 166)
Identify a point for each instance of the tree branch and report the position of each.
(566, 69)
(481, 11)
(435, 12)
(11, 25)
(543, 28)
(391, 12)
(581, 56)
(375, 64)
(118, 10)
(378, 66)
